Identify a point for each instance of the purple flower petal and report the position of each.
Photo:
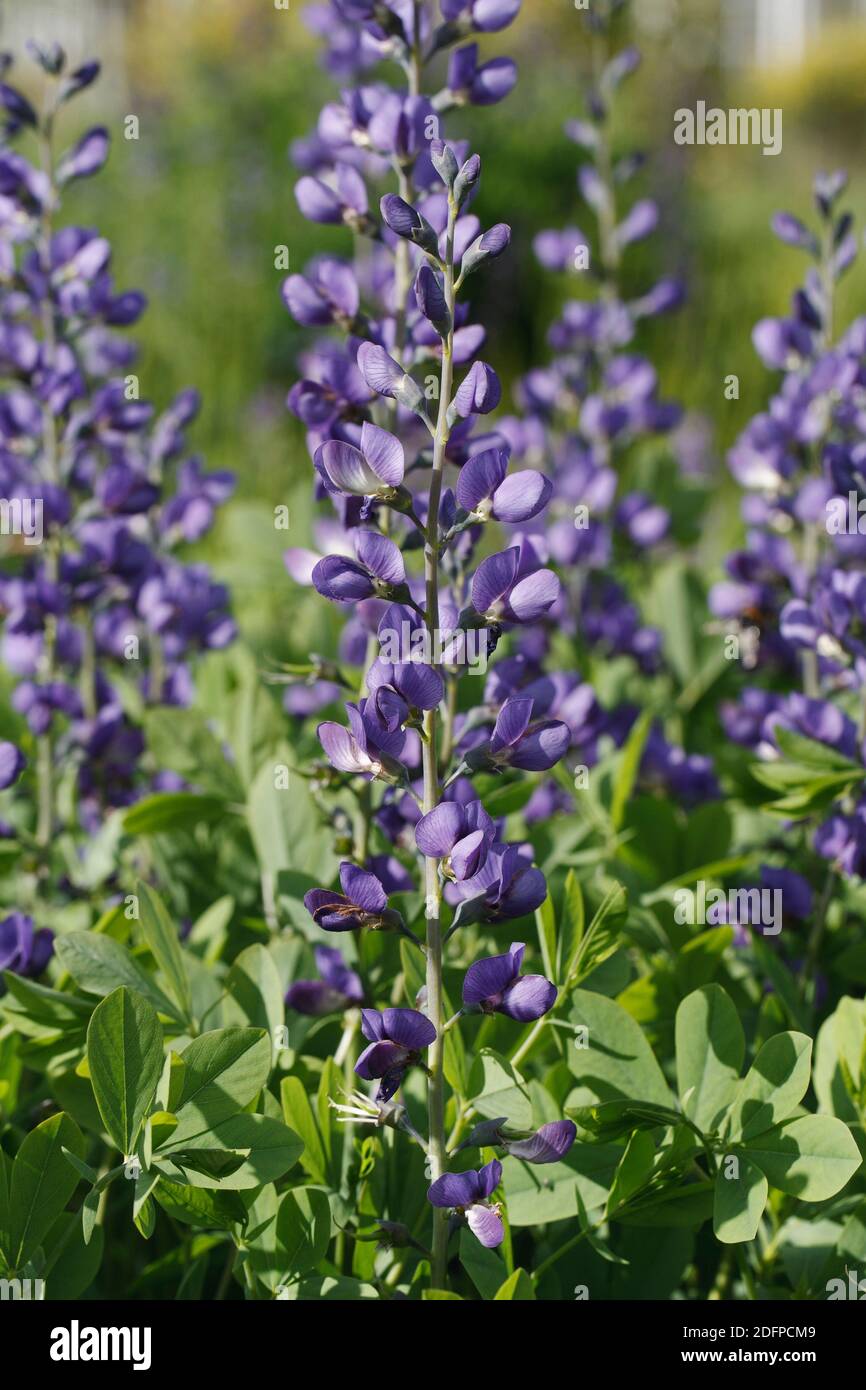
(533, 596)
(384, 454)
(512, 722)
(493, 579)
(548, 1145)
(454, 1190)
(438, 831)
(528, 998)
(522, 496)
(363, 888)
(379, 555)
(489, 977)
(480, 476)
(409, 1027)
(489, 1177)
(380, 1058)
(486, 1225)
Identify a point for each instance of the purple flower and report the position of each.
(430, 298)
(484, 491)
(363, 902)
(494, 984)
(338, 988)
(327, 293)
(23, 950)
(516, 742)
(367, 747)
(480, 85)
(378, 570)
(406, 221)
(548, 1144)
(373, 470)
(487, 16)
(479, 392)
(12, 764)
(400, 690)
(396, 1038)
(387, 378)
(459, 835)
(86, 158)
(501, 593)
(467, 1194)
(506, 886)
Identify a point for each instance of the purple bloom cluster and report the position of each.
(581, 416)
(396, 398)
(98, 586)
(796, 590)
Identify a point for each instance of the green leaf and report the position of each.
(603, 936)
(181, 740)
(162, 939)
(100, 965)
(125, 1060)
(303, 1228)
(298, 1114)
(572, 926)
(635, 1169)
(808, 751)
(240, 1152)
(775, 1084)
(285, 825)
(738, 1202)
(545, 921)
(812, 1157)
(710, 1047)
(538, 1194)
(496, 1089)
(40, 1185)
(223, 1071)
(630, 760)
(517, 1287)
(163, 811)
(614, 1119)
(617, 1062)
(484, 1267)
(254, 992)
(199, 1206)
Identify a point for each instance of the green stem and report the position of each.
(435, 1083)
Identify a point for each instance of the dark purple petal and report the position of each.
(438, 831)
(522, 496)
(12, 764)
(528, 998)
(512, 721)
(413, 1030)
(489, 977)
(454, 1190)
(493, 579)
(489, 1177)
(469, 854)
(542, 747)
(480, 476)
(341, 579)
(379, 555)
(363, 888)
(479, 392)
(380, 1058)
(533, 596)
(548, 1145)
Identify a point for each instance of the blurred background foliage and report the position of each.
(197, 205)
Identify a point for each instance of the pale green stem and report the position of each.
(435, 1085)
